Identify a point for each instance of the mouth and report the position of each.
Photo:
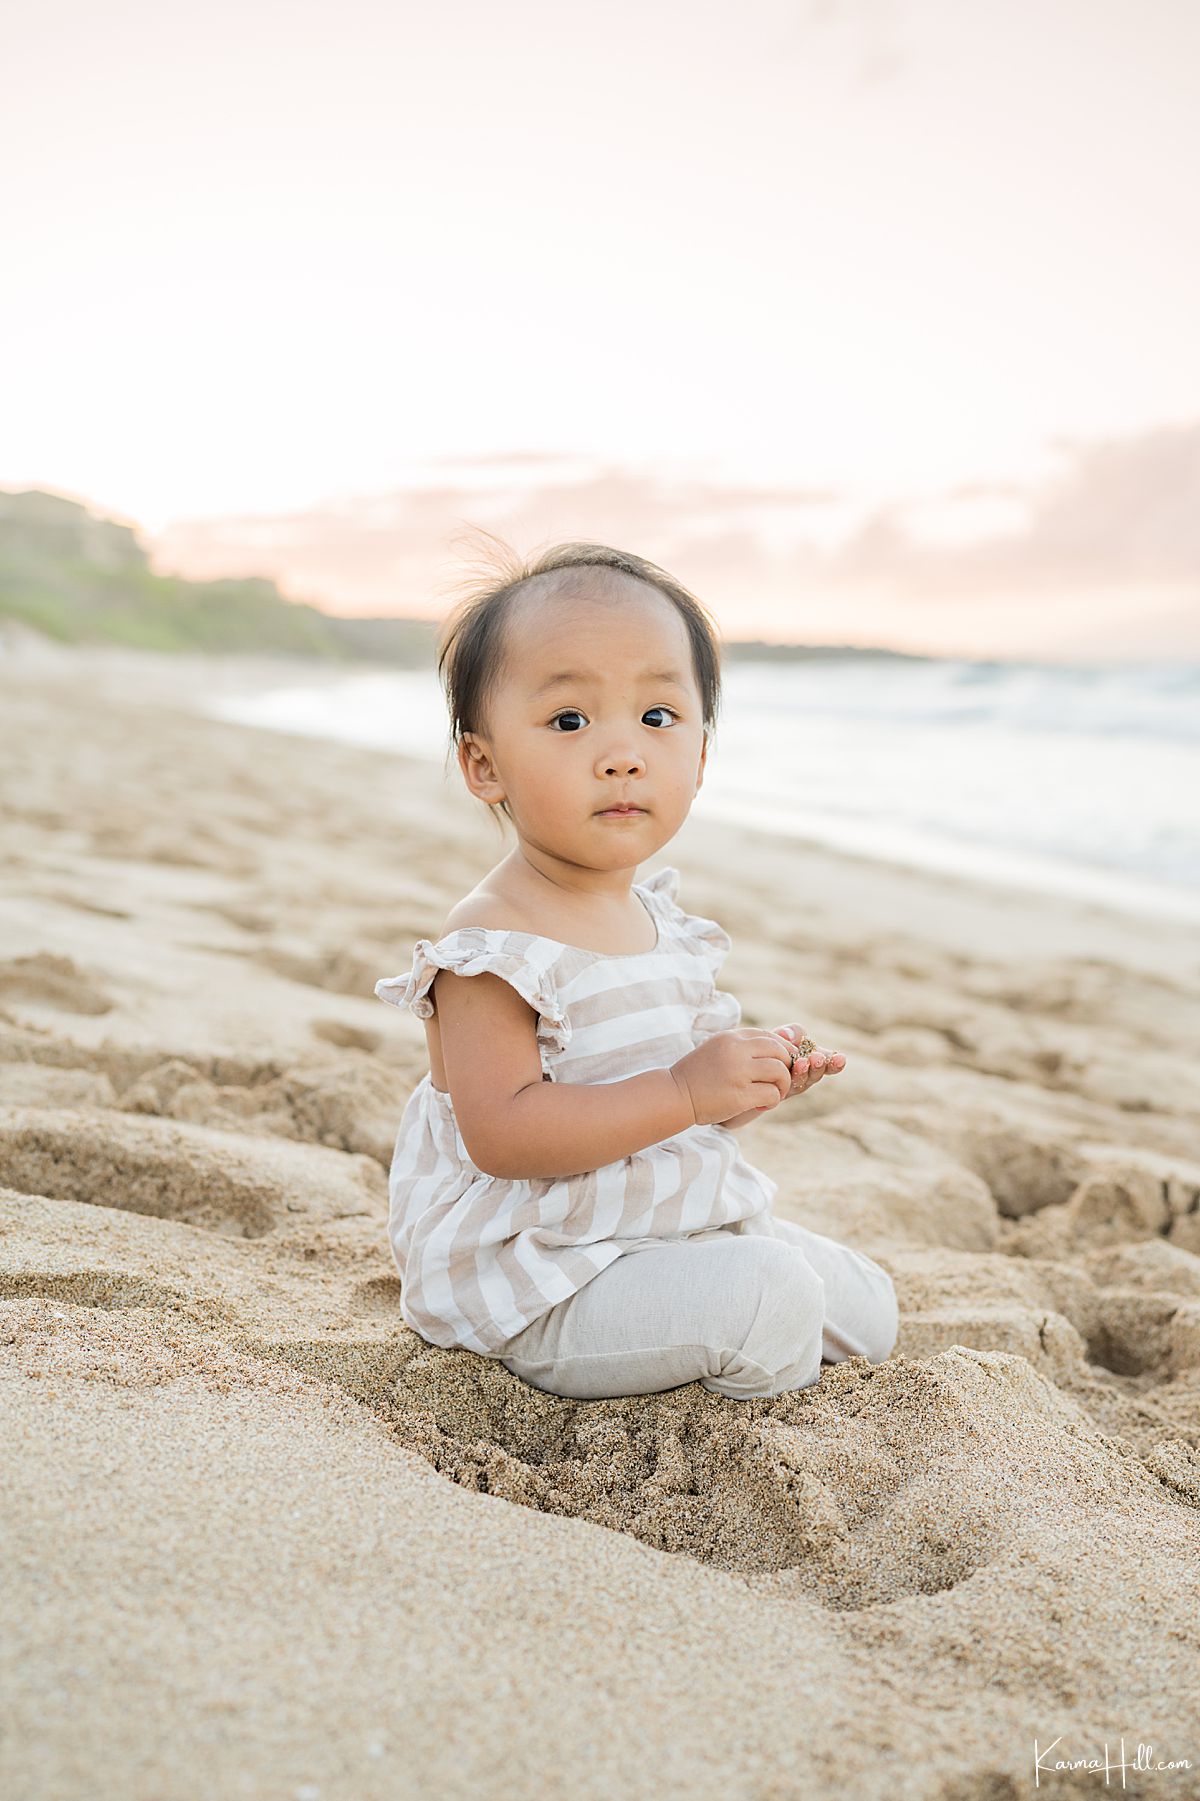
(621, 813)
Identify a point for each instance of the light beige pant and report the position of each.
(745, 1314)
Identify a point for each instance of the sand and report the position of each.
(260, 1540)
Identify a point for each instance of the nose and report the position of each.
(623, 764)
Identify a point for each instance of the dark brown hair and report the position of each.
(470, 656)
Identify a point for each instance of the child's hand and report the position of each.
(741, 1071)
(813, 1064)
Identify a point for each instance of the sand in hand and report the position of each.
(261, 1538)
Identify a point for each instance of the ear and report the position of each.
(479, 772)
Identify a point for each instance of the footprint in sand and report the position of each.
(1025, 1171)
(110, 1291)
(52, 981)
(1147, 1320)
(338, 971)
(1122, 1199)
(219, 1181)
(345, 1104)
(379, 1295)
(346, 1037)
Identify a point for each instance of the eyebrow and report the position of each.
(575, 675)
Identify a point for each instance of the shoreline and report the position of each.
(970, 904)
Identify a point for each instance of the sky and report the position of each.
(872, 320)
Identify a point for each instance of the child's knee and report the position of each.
(882, 1323)
(862, 1318)
(788, 1304)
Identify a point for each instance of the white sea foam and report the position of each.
(1075, 779)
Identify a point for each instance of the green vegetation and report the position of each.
(754, 650)
(85, 580)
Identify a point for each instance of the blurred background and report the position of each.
(871, 320)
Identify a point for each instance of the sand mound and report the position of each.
(226, 1183)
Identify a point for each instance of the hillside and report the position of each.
(87, 580)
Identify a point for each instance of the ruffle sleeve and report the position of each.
(719, 1011)
(710, 939)
(664, 882)
(479, 950)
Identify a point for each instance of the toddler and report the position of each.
(568, 1192)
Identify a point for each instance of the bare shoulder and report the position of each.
(486, 909)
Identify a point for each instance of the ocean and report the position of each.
(1076, 779)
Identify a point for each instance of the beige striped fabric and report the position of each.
(480, 1256)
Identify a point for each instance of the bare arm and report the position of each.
(516, 1125)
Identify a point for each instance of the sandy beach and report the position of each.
(260, 1540)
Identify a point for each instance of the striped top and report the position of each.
(480, 1256)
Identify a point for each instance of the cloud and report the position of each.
(1123, 512)
(393, 552)
(1109, 545)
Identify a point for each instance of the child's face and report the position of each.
(617, 730)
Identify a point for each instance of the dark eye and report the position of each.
(570, 713)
